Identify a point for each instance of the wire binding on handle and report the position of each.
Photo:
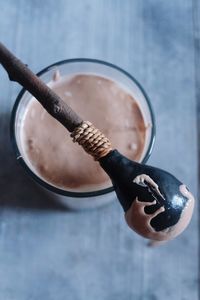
(92, 140)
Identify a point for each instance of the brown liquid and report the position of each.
(49, 149)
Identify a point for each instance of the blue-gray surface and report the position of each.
(47, 252)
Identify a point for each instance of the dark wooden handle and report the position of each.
(19, 72)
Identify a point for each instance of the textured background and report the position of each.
(47, 252)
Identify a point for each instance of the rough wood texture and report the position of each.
(19, 72)
(49, 253)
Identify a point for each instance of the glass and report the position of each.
(91, 199)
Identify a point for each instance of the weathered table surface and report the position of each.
(47, 252)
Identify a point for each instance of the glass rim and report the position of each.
(42, 182)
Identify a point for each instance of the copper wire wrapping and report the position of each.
(92, 140)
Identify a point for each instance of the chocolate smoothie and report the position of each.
(48, 148)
